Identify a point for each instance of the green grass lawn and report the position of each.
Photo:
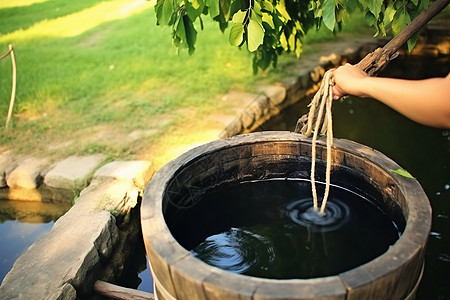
(89, 63)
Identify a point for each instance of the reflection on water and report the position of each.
(137, 274)
(236, 250)
(22, 223)
(15, 238)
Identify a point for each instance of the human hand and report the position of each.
(348, 81)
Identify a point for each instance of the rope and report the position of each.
(14, 79)
(321, 119)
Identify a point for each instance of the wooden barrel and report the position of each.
(179, 275)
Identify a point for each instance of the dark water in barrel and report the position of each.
(269, 229)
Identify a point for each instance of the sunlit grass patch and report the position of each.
(22, 17)
(77, 22)
(19, 3)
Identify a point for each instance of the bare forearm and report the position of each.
(425, 101)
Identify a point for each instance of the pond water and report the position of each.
(423, 151)
(22, 223)
(138, 275)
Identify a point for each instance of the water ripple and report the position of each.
(236, 250)
(337, 213)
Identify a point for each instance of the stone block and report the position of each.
(239, 100)
(317, 74)
(66, 292)
(139, 172)
(332, 59)
(6, 165)
(27, 175)
(276, 93)
(116, 196)
(73, 172)
(247, 118)
(69, 254)
(234, 128)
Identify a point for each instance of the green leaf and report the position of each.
(382, 28)
(412, 41)
(389, 13)
(195, 4)
(370, 19)
(191, 34)
(403, 173)
(375, 7)
(281, 8)
(256, 16)
(267, 18)
(291, 41)
(166, 12)
(283, 41)
(239, 17)
(193, 12)
(225, 8)
(257, 8)
(424, 4)
(329, 14)
(214, 9)
(236, 34)
(255, 35)
(180, 32)
(340, 15)
(267, 6)
(318, 13)
(401, 19)
(298, 49)
(351, 4)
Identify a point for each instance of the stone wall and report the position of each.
(64, 263)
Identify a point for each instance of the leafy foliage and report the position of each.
(271, 27)
(403, 173)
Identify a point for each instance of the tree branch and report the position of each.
(375, 61)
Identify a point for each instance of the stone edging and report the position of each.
(65, 262)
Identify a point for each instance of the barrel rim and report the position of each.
(411, 243)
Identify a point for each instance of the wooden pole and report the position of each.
(121, 293)
(13, 91)
(374, 62)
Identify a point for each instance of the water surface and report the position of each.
(22, 223)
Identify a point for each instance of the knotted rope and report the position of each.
(320, 119)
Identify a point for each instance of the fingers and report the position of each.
(336, 93)
(344, 77)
